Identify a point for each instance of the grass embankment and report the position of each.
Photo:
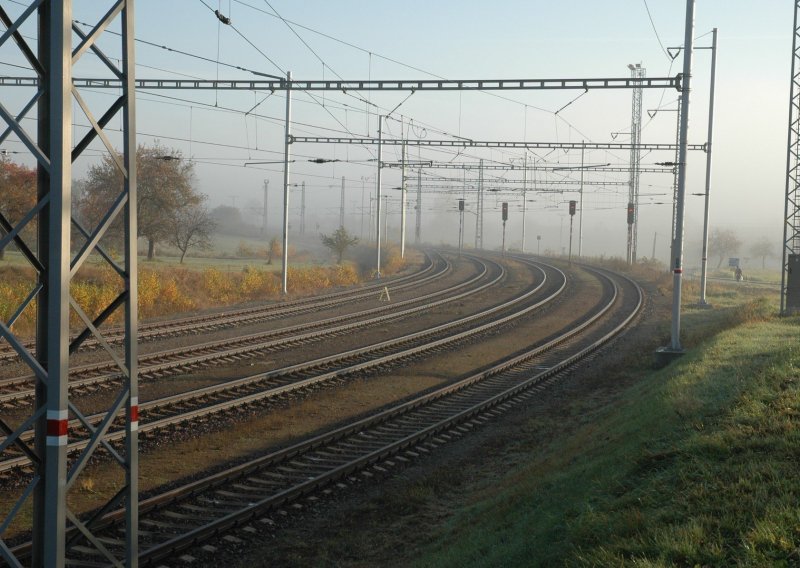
(695, 464)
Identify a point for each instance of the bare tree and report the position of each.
(723, 243)
(190, 227)
(339, 242)
(763, 248)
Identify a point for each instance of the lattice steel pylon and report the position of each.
(637, 75)
(790, 302)
(44, 236)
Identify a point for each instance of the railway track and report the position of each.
(435, 267)
(19, 390)
(263, 387)
(238, 499)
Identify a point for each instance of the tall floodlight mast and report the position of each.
(790, 278)
(637, 74)
(56, 254)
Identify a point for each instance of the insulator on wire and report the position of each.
(224, 19)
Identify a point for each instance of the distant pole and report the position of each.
(524, 199)
(341, 206)
(286, 155)
(303, 208)
(477, 215)
(378, 202)
(580, 205)
(505, 218)
(653, 256)
(460, 226)
(403, 205)
(418, 228)
(264, 214)
(677, 250)
(480, 205)
(571, 217)
(363, 186)
(704, 257)
(538, 244)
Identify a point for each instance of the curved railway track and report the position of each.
(435, 267)
(216, 505)
(263, 387)
(174, 361)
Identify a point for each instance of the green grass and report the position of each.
(696, 464)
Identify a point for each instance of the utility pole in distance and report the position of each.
(264, 213)
(505, 218)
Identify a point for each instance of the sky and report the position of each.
(221, 131)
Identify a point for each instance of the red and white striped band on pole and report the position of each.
(678, 271)
(134, 413)
(57, 427)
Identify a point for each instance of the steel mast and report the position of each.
(54, 527)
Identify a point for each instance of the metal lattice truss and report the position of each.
(509, 167)
(56, 245)
(791, 228)
(492, 144)
(344, 86)
(637, 76)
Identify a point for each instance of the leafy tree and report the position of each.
(164, 186)
(17, 195)
(339, 242)
(763, 248)
(191, 227)
(722, 244)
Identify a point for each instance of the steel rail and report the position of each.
(236, 496)
(280, 382)
(210, 322)
(162, 363)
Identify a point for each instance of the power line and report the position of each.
(652, 23)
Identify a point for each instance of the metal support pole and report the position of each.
(378, 201)
(264, 213)
(58, 278)
(677, 251)
(480, 204)
(460, 232)
(341, 206)
(403, 205)
(303, 208)
(655, 236)
(524, 196)
(363, 188)
(704, 257)
(477, 216)
(131, 315)
(286, 155)
(580, 206)
(418, 228)
(503, 249)
(571, 218)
